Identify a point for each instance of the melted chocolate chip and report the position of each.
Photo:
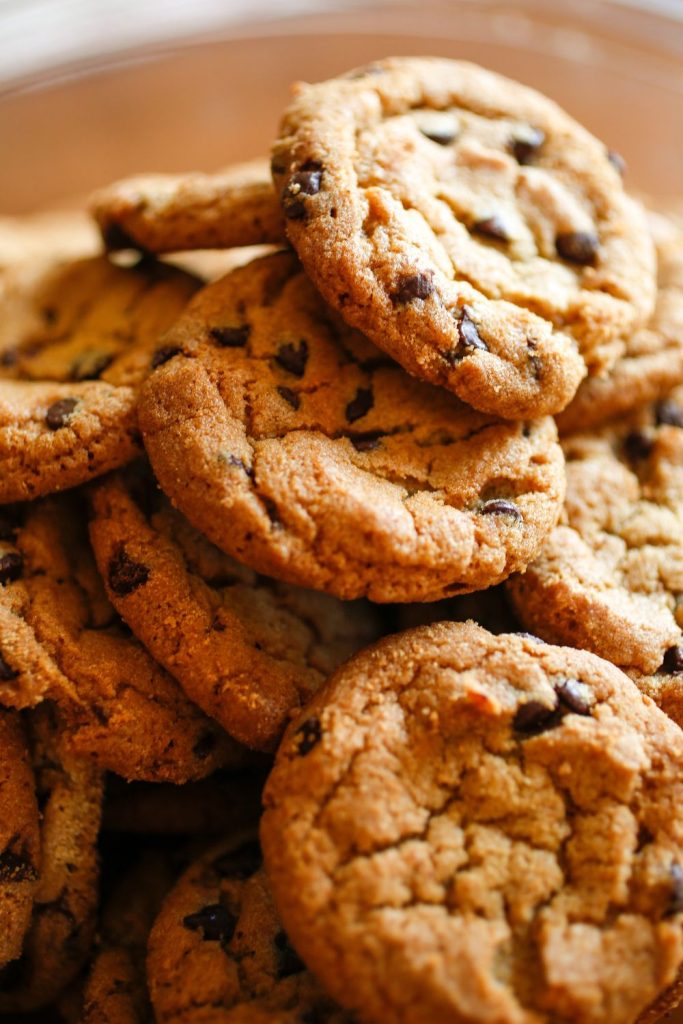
(231, 337)
(673, 660)
(7, 673)
(525, 149)
(500, 507)
(59, 413)
(368, 442)
(617, 161)
(309, 733)
(468, 339)
(575, 696)
(675, 905)
(293, 359)
(214, 922)
(360, 405)
(288, 961)
(669, 413)
(163, 354)
(492, 227)
(440, 128)
(290, 397)
(533, 718)
(16, 866)
(205, 745)
(414, 286)
(578, 247)
(124, 574)
(299, 188)
(11, 566)
(241, 863)
(638, 446)
(91, 365)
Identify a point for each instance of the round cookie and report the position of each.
(177, 212)
(76, 339)
(468, 226)
(217, 953)
(19, 837)
(61, 639)
(610, 577)
(245, 648)
(469, 827)
(301, 450)
(65, 904)
(652, 362)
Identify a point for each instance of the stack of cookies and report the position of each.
(273, 526)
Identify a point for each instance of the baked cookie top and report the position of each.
(464, 826)
(300, 449)
(246, 649)
(76, 340)
(217, 953)
(468, 226)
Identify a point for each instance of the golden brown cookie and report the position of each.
(468, 226)
(300, 449)
(469, 827)
(174, 212)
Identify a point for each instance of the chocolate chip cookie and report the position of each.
(218, 953)
(76, 340)
(173, 212)
(469, 827)
(61, 639)
(468, 226)
(245, 648)
(300, 449)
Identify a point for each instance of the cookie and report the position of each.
(174, 212)
(661, 1009)
(65, 904)
(299, 449)
(652, 362)
(19, 837)
(61, 639)
(246, 649)
(469, 827)
(468, 226)
(76, 340)
(610, 577)
(217, 952)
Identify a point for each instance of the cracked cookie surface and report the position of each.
(468, 226)
(246, 649)
(300, 449)
(76, 340)
(464, 826)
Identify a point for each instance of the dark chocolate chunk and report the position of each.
(617, 161)
(638, 445)
(241, 863)
(231, 337)
(500, 507)
(414, 286)
(468, 339)
(675, 905)
(442, 130)
(360, 405)
(575, 696)
(292, 358)
(11, 566)
(124, 574)
(7, 673)
(59, 413)
(669, 413)
(524, 149)
(492, 227)
(163, 354)
(533, 718)
(288, 961)
(309, 734)
(91, 365)
(368, 442)
(673, 660)
(205, 744)
(299, 188)
(214, 922)
(290, 397)
(578, 247)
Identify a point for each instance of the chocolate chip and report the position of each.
(11, 566)
(271, 511)
(617, 161)
(7, 673)
(290, 397)
(214, 922)
(16, 866)
(241, 863)
(533, 718)
(638, 445)
(525, 148)
(288, 961)
(644, 839)
(9, 357)
(91, 365)
(500, 507)
(234, 460)
(675, 905)
(205, 744)
(468, 339)
(293, 359)
(59, 413)
(578, 246)
(368, 442)
(492, 227)
(575, 696)
(116, 238)
(669, 413)
(360, 405)
(301, 185)
(439, 127)
(231, 337)
(124, 574)
(310, 733)
(163, 354)
(673, 660)
(414, 286)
